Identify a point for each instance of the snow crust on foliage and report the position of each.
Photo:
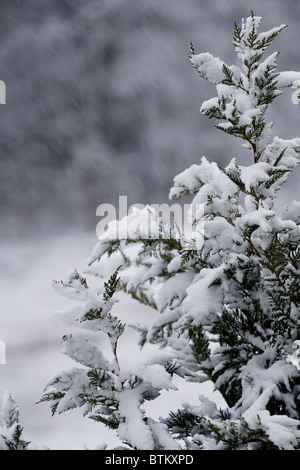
(9, 410)
(253, 175)
(292, 212)
(295, 357)
(78, 348)
(174, 290)
(127, 385)
(210, 65)
(10, 426)
(257, 378)
(162, 436)
(205, 178)
(156, 375)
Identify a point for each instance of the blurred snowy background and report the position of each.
(101, 102)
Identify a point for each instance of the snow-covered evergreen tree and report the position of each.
(107, 392)
(11, 431)
(227, 311)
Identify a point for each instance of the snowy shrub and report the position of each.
(11, 432)
(227, 312)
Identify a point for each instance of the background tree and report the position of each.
(11, 431)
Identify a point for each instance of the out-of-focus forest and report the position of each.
(102, 101)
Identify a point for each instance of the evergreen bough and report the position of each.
(11, 431)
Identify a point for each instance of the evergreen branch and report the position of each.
(111, 285)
